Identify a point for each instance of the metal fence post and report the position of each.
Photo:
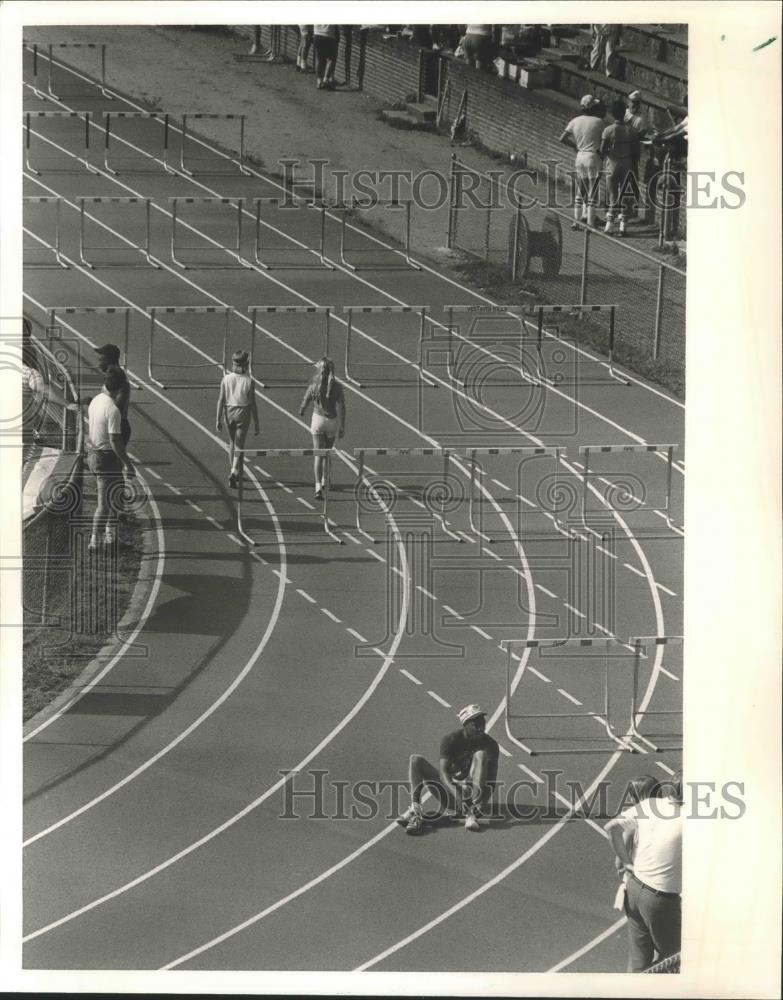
(452, 201)
(585, 258)
(658, 313)
(515, 248)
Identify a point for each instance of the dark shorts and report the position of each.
(238, 416)
(104, 463)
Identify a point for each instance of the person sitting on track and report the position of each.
(237, 401)
(107, 456)
(108, 361)
(464, 780)
(328, 421)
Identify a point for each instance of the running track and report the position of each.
(154, 836)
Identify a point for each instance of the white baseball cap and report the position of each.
(587, 101)
(635, 95)
(469, 712)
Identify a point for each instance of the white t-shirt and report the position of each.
(238, 388)
(104, 419)
(586, 131)
(657, 828)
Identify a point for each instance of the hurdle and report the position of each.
(188, 310)
(640, 643)
(541, 310)
(235, 250)
(143, 248)
(223, 117)
(85, 115)
(261, 252)
(667, 449)
(325, 311)
(361, 478)
(524, 451)
(418, 365)
(614, 743)
(123, 311)
(325, 453)
(359, 203)
(52, 247)
(160, 116)
(34, 47)
(517, 312)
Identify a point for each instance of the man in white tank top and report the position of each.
(237, 403)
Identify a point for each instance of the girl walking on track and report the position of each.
(237, 403)
(328, 421)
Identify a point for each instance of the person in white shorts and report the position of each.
(303, 52)
(107, 457)
(328, 421)
(584, 133)
(237, 404)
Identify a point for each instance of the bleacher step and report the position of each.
(407, 121)
(424, 111)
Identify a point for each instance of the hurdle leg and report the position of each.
(82, 258)
(442, 517)
(411, 263)
(325, 261)
(57, 236)
(348, 332)
(238, 253)
(166, 166)
(610, 732)
(104, 91)
(258, 238)
(149, 353)
(253, 326)
(36, 90)
(147, 235)
(609, 364)
(182, 166)
(240, 497)
(49, 90)
(174, 257)
(422, 326)
(668, 508)
(28, 165)
(634, 696)
(359, 480)
(450, 350)
(240, 162)
(471, 501)
(326, 521)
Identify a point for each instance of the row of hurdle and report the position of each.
(433, 336)
(371, 490)
(229, 218)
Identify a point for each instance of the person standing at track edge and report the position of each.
(109, 361)
(107, 455)
(617, 147)
(328, 421)
(584, 133)
(464, 780)
(325, 42)
(237, 403)
(652, 895)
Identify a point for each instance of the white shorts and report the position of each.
(323, 425)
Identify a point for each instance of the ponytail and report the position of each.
(324, 381)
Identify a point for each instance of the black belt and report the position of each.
(658, 892)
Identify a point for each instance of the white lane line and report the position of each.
(305, 503)
(396, 570)
(260, 559)
(489, 552)
(267, 475)
(375, 555)
(409, 675)
(438, 698)
(153, 473)
(664, 767)
(426, 592)
(570, 697)
(234, 538)
(466, 537)
(578, 465)
(172, 488)
(576, 611)
(417, 502)
(519, 572)
(545, 591)
(525, 500)
(213, 522)
(633, 569)
(606, 552)
(282, 576)
(538, 674)
(589, 946)
(503, 486)
(356, 635)
(531, 774)
(502, 749)
(666, 590)
(329, 614)
(195, 506)
(573, 807)
(380, 652)
(602, 629)
(283, 486)
(353, 538)
(482, 633)
(668, 673)
(452, 612)
(307, 597)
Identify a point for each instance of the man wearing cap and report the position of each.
(652, 894)
(109, 360)
(636, 122)
(107, 455)
(466, 774)
(584, 134)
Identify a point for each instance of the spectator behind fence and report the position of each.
(584, 133)
(107, 455)
(303, 51)
(636, 121)
(325, 41)
(652, 899)
(108, 361)
(616, 147)
(606, 43)
(478, 45)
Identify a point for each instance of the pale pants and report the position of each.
(588, 175)
(606, 40)
(616, 178)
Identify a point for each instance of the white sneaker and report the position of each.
(608, 229)
(471, 822)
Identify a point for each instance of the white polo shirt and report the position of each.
(586, 131)
(656, 825)
(104, 419)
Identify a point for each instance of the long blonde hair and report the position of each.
(324, 381)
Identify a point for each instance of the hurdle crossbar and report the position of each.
(361, 478)
(154, 311)
(143, 248)
(235, 250)
(530, 451)
(260, 253)
(640, 643)
(123, 311)
(325, 311)
(52, 247)
(616, 742)
(34, 47)
(418, 364)
(668, 449)
(85, 115)
(517, 312)
(358, 203)
(161, 116)
(325, 453)
(224, 117)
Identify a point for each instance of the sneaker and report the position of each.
(318, 492)
(608, 229)
(415, 822)
(621, 231)
(108, 537)
(471, 822)
(232, 480)
(92, 545)
(406, 816)
(574, 225)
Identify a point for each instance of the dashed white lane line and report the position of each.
(234, 538)
(417, 502)
(283, 486)
(375, 555)
(531, 774)
(489, 552)
(451, 611)
(438, 698)
(307, 597)
(426, 592)
(633, 569)
(482, 633)
(570, 697)
(503, 486)
(606, 552)
(172, 488)
(602, 629)
(666, 590)
(380, 652)
(213, 522)
(305, 503)
(545, 591)
(576, 611)
(259, 558)
(263, 472)
(409, 676)
(278, 574)
(525, 500)
(466, 537)
(571, 806)
(353, 538)
(153, 473)
(668, 673)
(397, 570)
(519, 572)
(664, 767)
(329, 614)
(357, 635)
(538, 674)
(502, 749)
(195, 506)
